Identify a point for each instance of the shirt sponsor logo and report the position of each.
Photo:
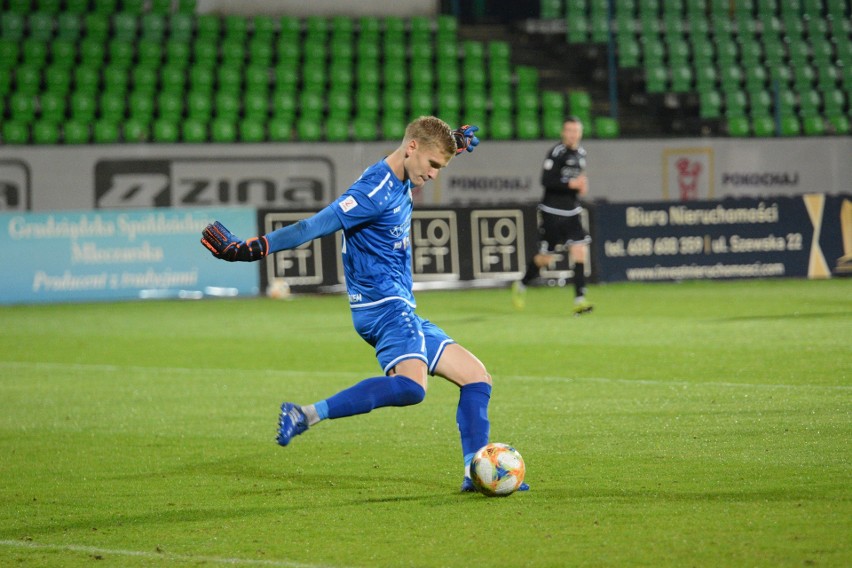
(348, 204)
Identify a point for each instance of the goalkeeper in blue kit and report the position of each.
(375, 217)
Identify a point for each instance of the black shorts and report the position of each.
(558, 230)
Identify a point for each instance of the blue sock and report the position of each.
(472, 418)
(372, 393)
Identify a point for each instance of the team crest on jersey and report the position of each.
(348, 204)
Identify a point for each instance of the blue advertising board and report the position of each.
(84, 256)
(803, 236)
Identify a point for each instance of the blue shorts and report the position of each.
(398, 334)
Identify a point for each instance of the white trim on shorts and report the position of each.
(402, 358)
(434, 362)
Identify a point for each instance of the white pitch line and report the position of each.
(165, 556)
(80, 367)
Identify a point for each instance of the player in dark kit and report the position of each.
(564, 179)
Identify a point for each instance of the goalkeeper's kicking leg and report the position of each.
(406, 385)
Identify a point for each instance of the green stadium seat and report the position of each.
(161, 7)
(202, 78)
(34, 53)
(41, 25)
(172, 78)
(12, 27)
(289, 28)
(113, 106)
(834, 102)
(280, 129)
(763, 126)
(116, 79)
(738, 126)
(49, 6)
(144, 79)
(199, 105)
(125, 26)
(227, 107)
(577, 29)
(45, 131)
(15, 132)
(336, 130)
(208, 27)
(22, 107)
(5, 85)
(27, 79)
(10, 52)
(790, 126)
(229, 80)
(502, 103)
(813, 125)
(838, 124)
(251, 130)
(499, 126)
(140, 106)
(681, 78)
(308, 129)
(736, 103)
(579, 102)
(367, 103)
(263, 27)
(63, 52)
(187, 6)
(527, 126)
(606, 127)
(364, 128)
(170, 106)
(92, 52)
(180, 27)
(76, 132)
(57, 80)
(526, 101)
(136, 130)
(149, 53)
(86, 79)
(284, 104)
(261, 51)
(194, 131)
(105, 131)
(256, 105)
(165, 130)
(709, 104)
(135, 7)
(121, 52)
(393, 127)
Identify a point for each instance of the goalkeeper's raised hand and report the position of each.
(223, 244)
(465, 138)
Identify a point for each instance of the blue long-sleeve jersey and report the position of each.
(375, 215)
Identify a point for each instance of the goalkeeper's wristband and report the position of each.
(246, 251)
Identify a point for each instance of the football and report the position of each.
(497, 470)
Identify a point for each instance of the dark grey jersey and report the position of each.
(561, 165)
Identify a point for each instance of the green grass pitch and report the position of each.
(693, 424)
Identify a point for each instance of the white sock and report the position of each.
(311, 414)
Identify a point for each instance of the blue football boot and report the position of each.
(292, 422)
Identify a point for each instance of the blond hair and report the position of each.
(431, 131)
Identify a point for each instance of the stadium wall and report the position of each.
(305, 176)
